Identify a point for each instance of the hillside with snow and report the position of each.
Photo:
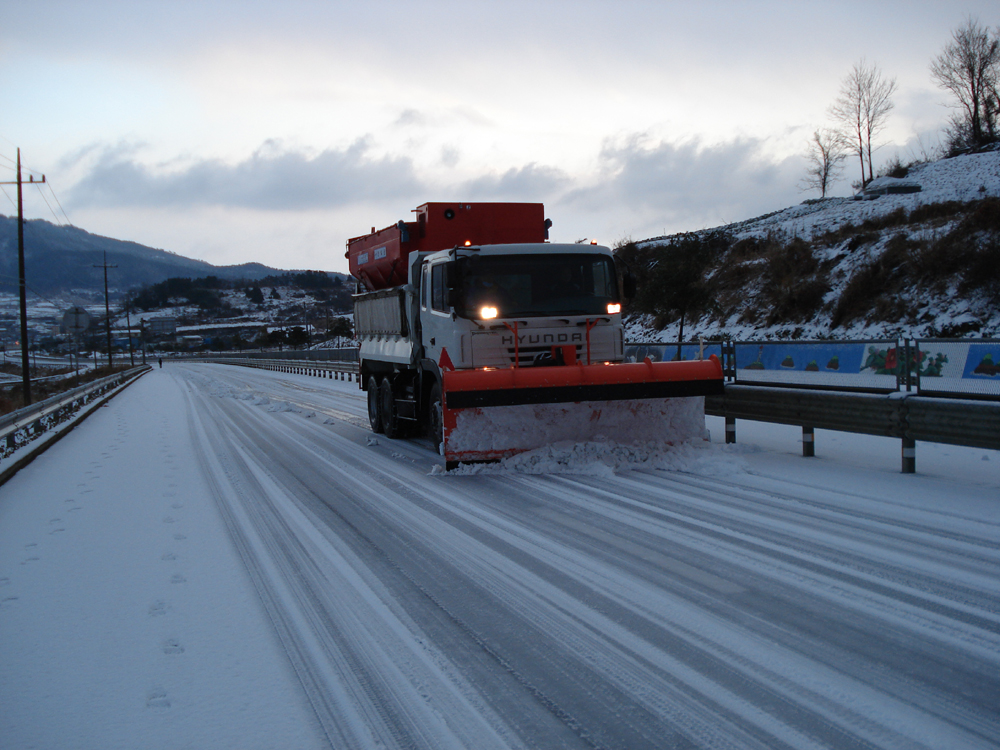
(913, 256)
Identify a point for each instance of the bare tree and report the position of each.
(862, 109)
(969, 67)
(827, 152)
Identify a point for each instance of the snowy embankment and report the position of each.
(222, 557)
(960, 179)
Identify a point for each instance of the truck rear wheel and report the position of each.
(387, 407)
(374, 405)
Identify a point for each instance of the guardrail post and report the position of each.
(808, 442)
(729, 360)
(908, 355)
(730, 429)
(909, 456)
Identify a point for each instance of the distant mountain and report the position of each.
(62, 259)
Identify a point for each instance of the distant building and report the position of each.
(190, 342)
(248, 329)
(165, 326)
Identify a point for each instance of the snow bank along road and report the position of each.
(223, 557)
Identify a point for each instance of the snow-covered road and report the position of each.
(224, 558)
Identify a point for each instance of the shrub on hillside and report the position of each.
(894, 168)
(792, 286)
(874, 282)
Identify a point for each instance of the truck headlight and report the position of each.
(614, 307)
(487, 313)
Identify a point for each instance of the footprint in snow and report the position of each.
(157, 608)
(157, 698)
(178, 578)
(172, 646)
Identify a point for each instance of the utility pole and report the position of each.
(128, 322)
(22, 287)
(107, 308)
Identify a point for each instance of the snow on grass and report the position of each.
(961, 179)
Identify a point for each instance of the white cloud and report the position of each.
(272, 178)
(688, 185)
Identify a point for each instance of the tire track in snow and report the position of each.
(369, 684)
(693, 614)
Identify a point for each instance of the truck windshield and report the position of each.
(537, 285)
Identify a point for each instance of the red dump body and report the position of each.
(379, 259)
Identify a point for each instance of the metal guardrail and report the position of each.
(343, 370)
(25, 424)
(346, 354)
(906, 416)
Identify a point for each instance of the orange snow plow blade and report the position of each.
(491, 414)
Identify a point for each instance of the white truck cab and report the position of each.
(486, 306)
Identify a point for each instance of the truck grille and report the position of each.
(526, 354)
(491, 350)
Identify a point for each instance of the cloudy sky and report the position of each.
(256, 130)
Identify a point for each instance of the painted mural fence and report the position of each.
(966, 368)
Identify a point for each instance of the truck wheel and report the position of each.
(387, 407)
(374, 406)
(435, 418)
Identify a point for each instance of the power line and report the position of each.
(8, 280)
(31, 181)
(24, 167)
(58, 203)
(9, 198)
(52, 211)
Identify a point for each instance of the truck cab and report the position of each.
(483, 307)
(511, 305)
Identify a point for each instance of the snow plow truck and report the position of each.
(479, 333)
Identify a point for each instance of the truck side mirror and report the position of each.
(628, 284)
(628, 280)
